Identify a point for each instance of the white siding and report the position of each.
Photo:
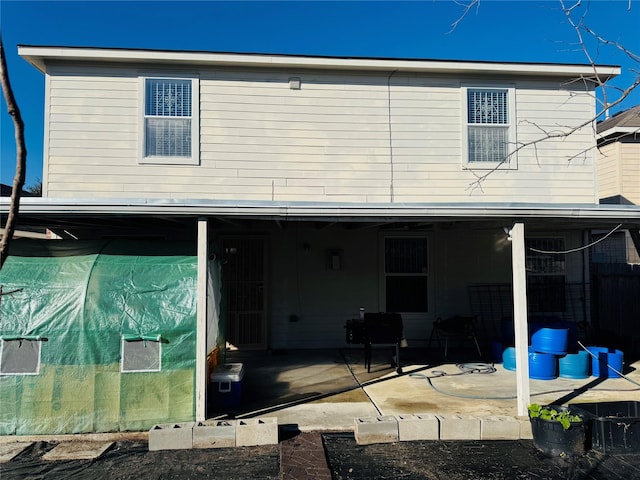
(342, 137)
(609, 170)
(630, 158)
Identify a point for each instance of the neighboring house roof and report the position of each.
(5, 191)
(625, 122)
(39, 55)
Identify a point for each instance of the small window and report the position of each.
(405, 266)
(141, 354)
(489, 126)
(20, 356)
(170, 130)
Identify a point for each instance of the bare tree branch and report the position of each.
(467, 9)
(590, 83)
(21, 157)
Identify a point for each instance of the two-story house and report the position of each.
(310, 187)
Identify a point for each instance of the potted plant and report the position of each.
(556, 430)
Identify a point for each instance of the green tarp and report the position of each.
(82, 301)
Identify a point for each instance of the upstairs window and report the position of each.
(489, 131)
(170, 130)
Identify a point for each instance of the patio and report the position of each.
(326, 389)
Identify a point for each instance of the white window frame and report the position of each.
(128, 339)
(38, 343)
(512, 158)
(194, 159)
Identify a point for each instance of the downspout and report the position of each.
(391, 186)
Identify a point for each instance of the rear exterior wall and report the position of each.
(342, 137)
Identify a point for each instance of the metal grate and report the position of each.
(168, 114)
(244, 291)
(488, 120)
(494, 302)
(487, 107)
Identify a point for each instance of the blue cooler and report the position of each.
(225, 385)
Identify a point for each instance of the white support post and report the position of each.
(520, 317)
(201, 321)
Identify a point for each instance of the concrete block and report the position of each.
(459, 427)
(382, 429)
(256, 431)
(214, 434)
(171, 436)
(420, 426)
(525, 428)
(499, 427)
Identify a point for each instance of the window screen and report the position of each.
(141, 355)
(488, 125)
(168, 117)
(20, 357)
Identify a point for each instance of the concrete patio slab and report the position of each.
(9, 451)
(77, 451)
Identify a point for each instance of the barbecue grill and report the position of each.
(376, 329)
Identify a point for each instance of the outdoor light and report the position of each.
(507, 230)
(294, 83)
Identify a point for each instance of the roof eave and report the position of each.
(39, 55)
(621, 131)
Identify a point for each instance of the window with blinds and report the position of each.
(168, 117)
(488, 122)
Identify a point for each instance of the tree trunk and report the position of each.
(21, 158)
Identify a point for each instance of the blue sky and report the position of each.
(497, 30)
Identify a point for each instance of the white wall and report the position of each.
(344, 137)
(323, 300)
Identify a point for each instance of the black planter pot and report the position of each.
(551, 438)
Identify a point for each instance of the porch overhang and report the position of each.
(326, 211)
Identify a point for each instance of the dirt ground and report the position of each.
(133, 460)
(473, 460)
(420, 460)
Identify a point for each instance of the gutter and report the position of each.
(326, 211)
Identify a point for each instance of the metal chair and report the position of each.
(459, 328)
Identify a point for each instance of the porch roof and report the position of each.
(584, 215)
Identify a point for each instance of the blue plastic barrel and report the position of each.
(574, 365)
(509, 358)
(542, 366)
(550, 340)
(604, 359)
